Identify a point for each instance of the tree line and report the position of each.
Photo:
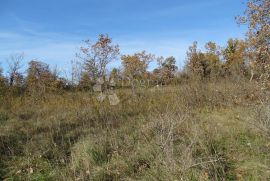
(248, 59)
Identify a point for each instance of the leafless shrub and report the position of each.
(262, 118)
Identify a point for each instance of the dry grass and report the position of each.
(195, 131)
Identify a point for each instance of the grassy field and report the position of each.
(193, 131)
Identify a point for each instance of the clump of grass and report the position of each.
(3, 116)
(262, 113)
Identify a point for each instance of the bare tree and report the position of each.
(76, 71)
(2, 79)
(14, 66)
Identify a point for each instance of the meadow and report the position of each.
(214, 130)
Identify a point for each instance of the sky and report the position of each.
(53, 30)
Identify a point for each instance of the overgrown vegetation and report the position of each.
(194, 131)
(209, 121)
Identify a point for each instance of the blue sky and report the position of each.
(53, 30)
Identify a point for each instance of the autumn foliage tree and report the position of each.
(40, 79)
(234, 55)
(257, 17)
(194, 64)
(166, 69)
(115, 74)
(197, 66)
(96, 57)
(135, 67)
(212, 60)
(204, 65)
(85, 82)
